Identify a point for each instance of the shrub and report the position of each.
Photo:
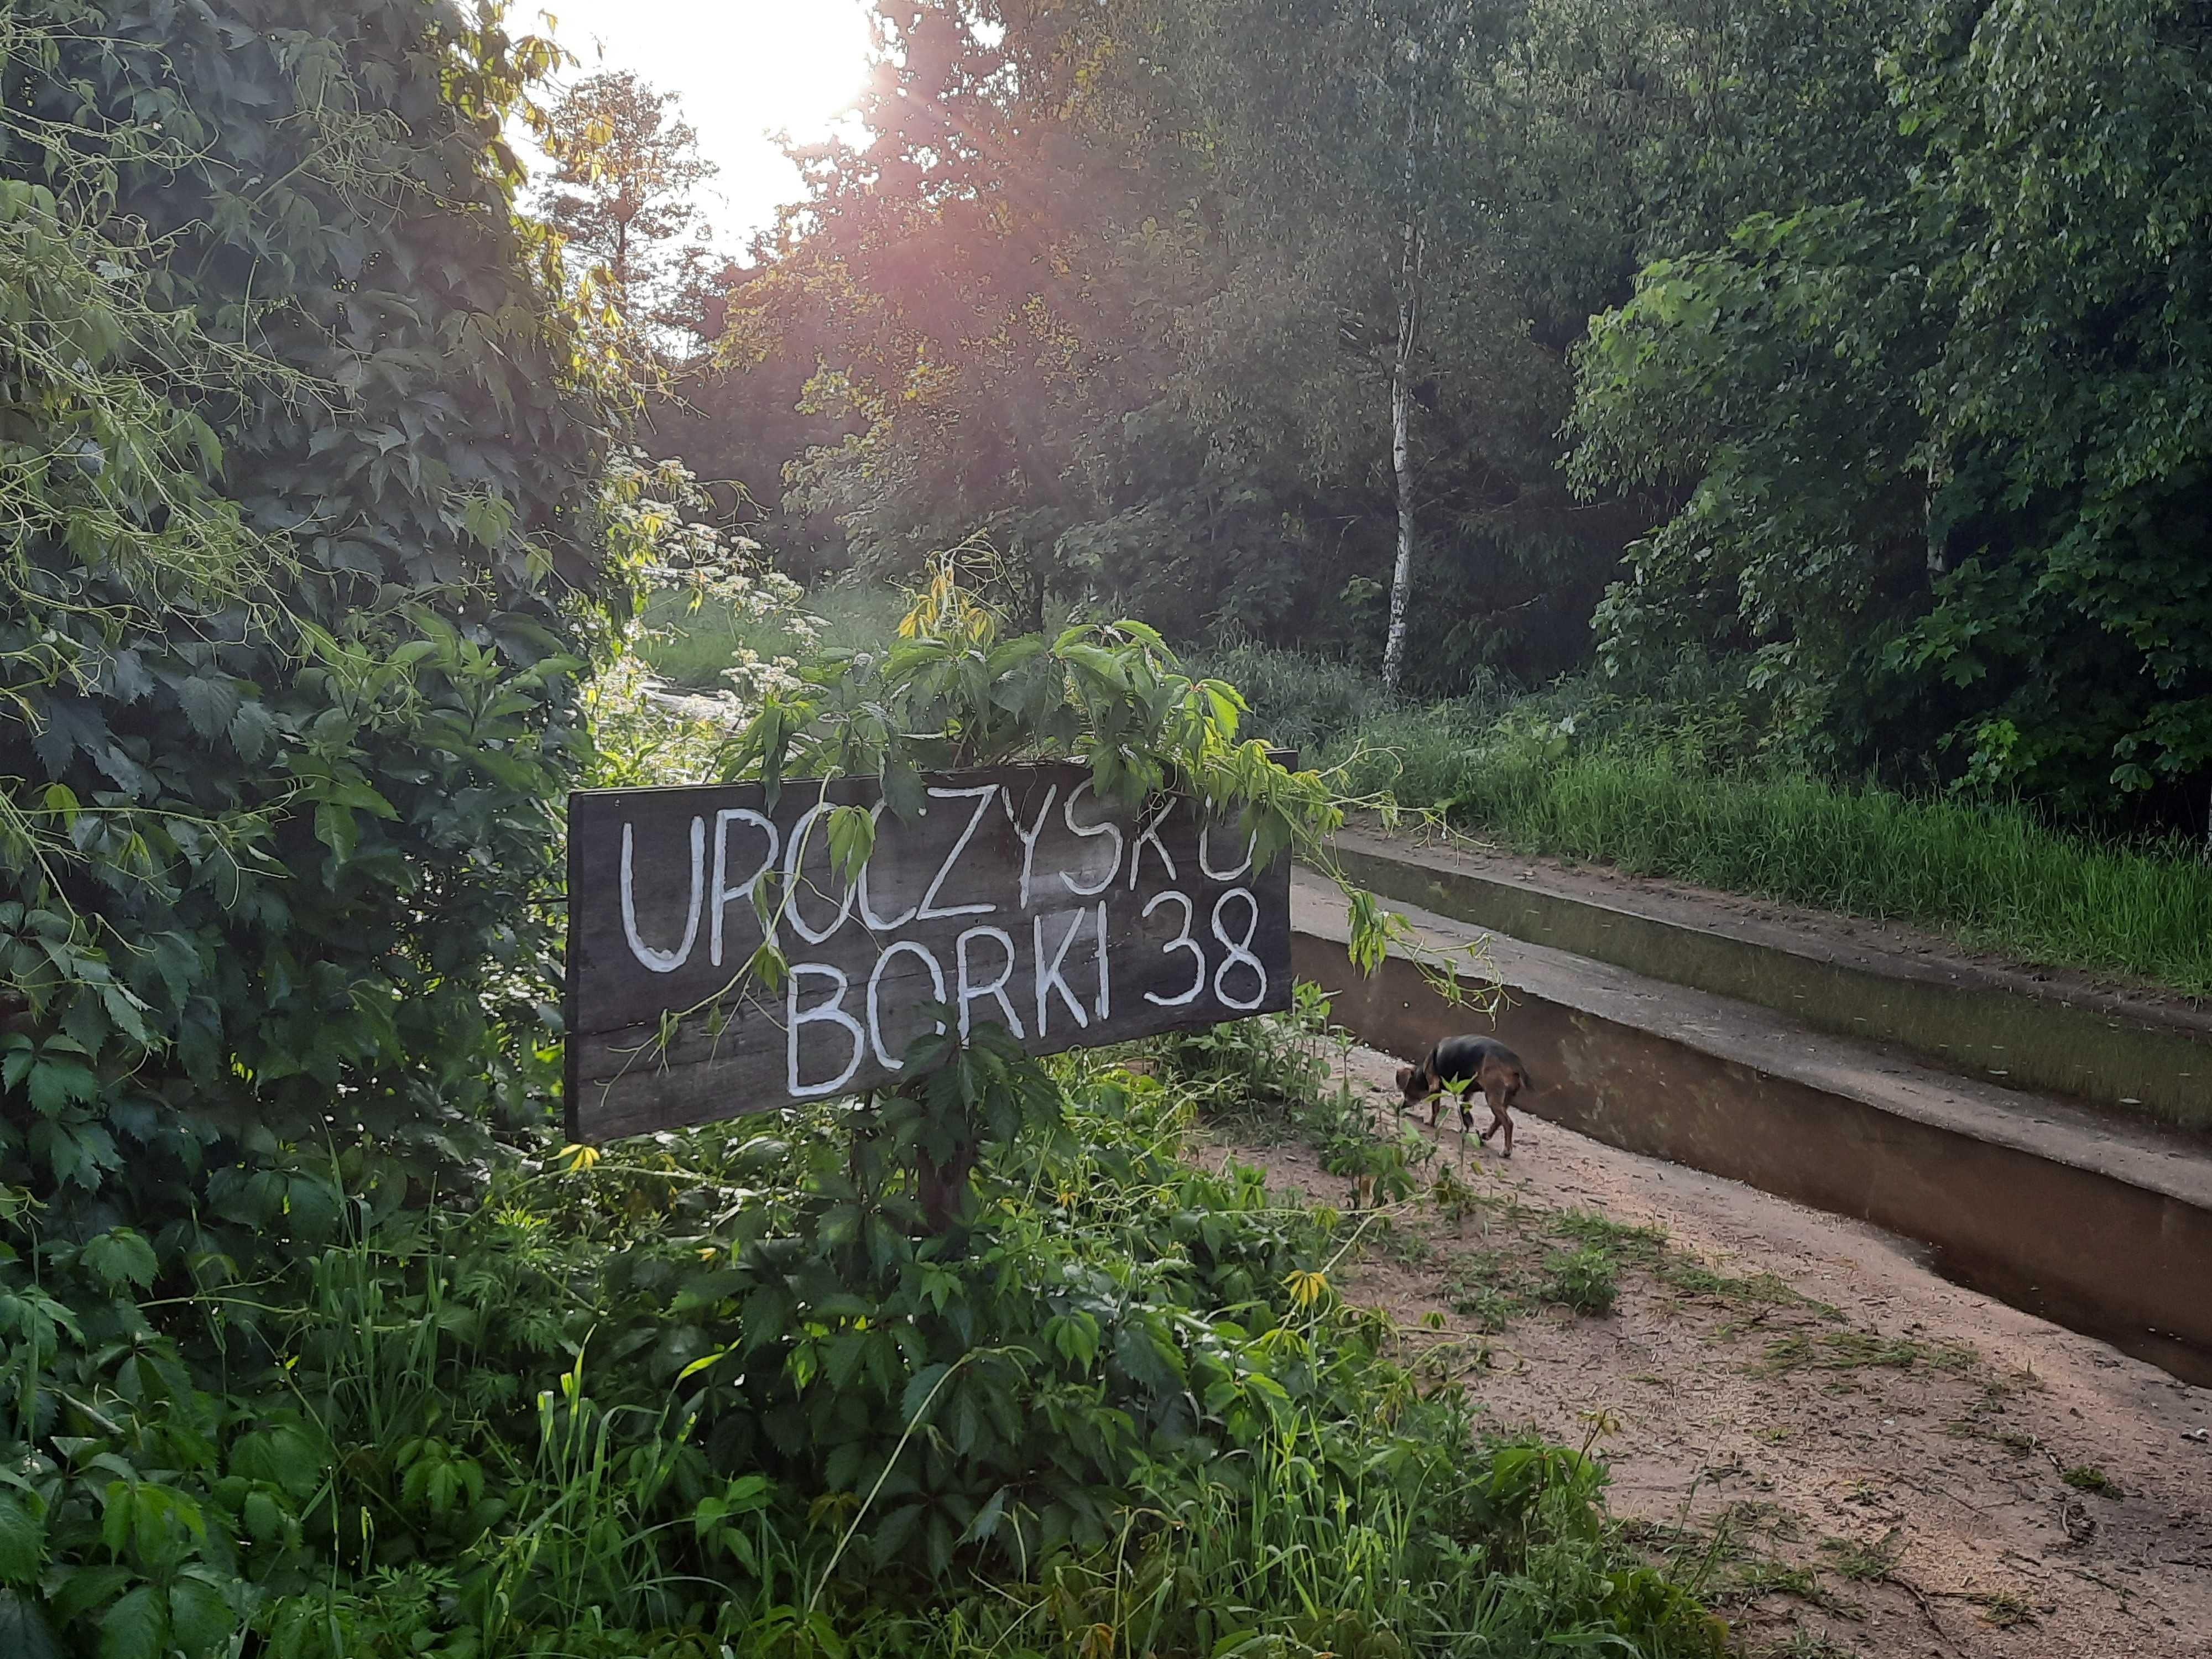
(281, 843)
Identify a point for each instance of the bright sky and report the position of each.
(743, 69)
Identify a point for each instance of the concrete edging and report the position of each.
(1978, 1021)
(2096, 1224)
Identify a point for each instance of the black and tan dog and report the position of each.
(1460, 1065)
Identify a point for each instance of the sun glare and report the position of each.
(743, 69)
(809, 65)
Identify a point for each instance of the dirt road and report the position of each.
(1860, 1457)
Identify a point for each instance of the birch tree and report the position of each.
(1427, 54)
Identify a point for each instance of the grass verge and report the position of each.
(1576, 773)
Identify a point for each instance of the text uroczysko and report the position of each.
(1013, 894)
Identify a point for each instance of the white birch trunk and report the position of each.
(1401, 394)
(1401, 460)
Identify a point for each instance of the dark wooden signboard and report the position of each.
(1016, 896)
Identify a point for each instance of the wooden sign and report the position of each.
(1015, 896)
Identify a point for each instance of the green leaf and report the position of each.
(24, 1631)
(253, 730)
(337, 828)
(488, 518)
(121, 1257)
(22, 1541)
(852, 839)
(767, 965)
(56, 1084)
(904, 790)
(986, 1519)
(919, 1390)
(200, 1619)
(263, 1516)
(136, 1627)
(209, 703)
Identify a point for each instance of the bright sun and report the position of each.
(743, 69)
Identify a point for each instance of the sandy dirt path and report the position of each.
(1866, 1458)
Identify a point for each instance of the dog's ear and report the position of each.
(1405, 1080)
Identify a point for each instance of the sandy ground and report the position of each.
(1862, 1457)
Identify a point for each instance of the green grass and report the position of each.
(1583, 1281)
(1865, 1561)
(1494, 1287)
(689, 645)
(1678, 792)
(2088, 1477)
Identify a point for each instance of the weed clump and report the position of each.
(2088, 1477)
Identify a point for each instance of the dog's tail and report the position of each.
(1527, 1078)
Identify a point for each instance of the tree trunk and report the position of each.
(1402, 458)
(942, 1188)
(1401, 386)
(1421, 54)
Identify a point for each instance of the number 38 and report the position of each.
(1235, 967)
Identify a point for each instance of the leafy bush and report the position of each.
(726, 1388)
(282, 841)
(695, 637)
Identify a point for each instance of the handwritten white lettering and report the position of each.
(883, 1056)
(723, 892)
(1105, 981)
(1151, 833)
(794, 854)
(663, 961)
(1049, 978)
(1205, 859)
(831, 1013)
(1182, 941)
(1028, 836)
(982, 796)
(1240, 951)
(971, 993)
(869, 919)
(1090, 831)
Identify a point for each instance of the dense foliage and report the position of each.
(1890, 397)
(1944, 442)
(726, 1388)
(319, 513)
(283, 841)
(305, 479)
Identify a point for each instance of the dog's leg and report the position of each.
(1501, 1114)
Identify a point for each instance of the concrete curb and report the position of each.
(2148, 1060)
(2097, 1223)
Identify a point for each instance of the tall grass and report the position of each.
(1994, 875)
(1682, 790)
